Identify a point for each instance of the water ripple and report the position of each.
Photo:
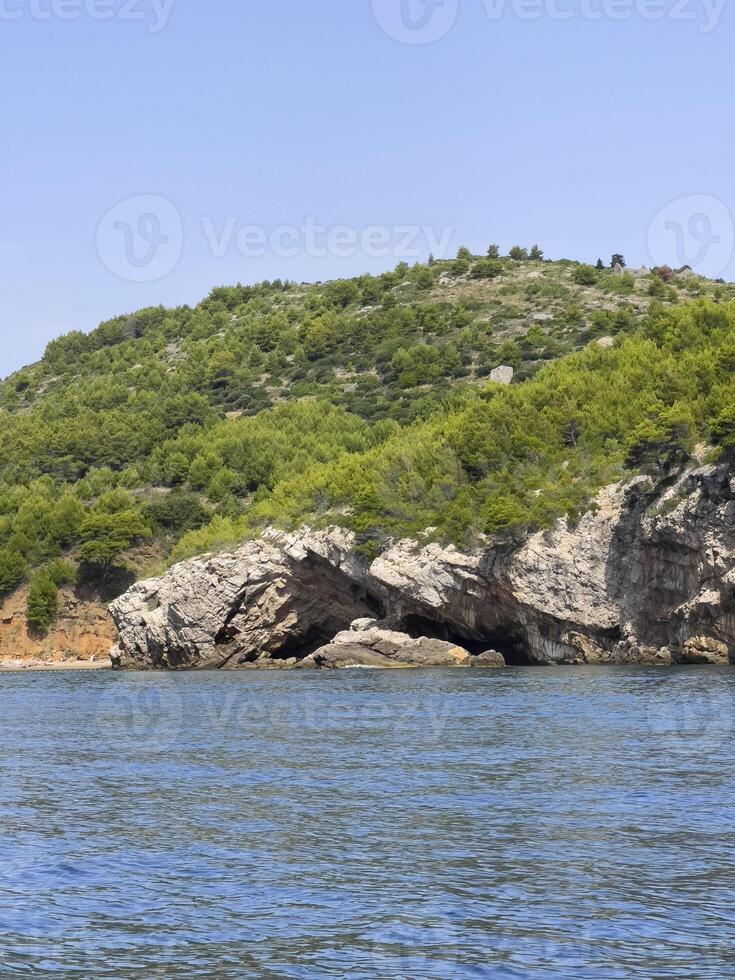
(524, 825)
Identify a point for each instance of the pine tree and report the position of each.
(42, 605)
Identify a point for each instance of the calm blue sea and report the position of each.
(531, 823)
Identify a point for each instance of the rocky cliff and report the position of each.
(648, 575)
(82, 633)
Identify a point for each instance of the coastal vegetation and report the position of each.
(365, 402)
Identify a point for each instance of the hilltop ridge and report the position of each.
(367, 401)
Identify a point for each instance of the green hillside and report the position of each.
(367, 401)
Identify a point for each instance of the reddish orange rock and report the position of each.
(83, 631)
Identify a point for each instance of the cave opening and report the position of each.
(343, 602)
(304, 644)
(504, 640)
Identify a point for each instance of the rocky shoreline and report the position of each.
(647, 576)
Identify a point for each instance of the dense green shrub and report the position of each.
(42, 603)
(487, 269)
(42, 606)
(506, 459)
(173, 422)
(585, 275)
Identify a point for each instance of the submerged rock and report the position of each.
(647, 576)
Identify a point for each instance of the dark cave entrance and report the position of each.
(505, 641)
(304, 644)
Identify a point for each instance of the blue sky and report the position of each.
(207, 119)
